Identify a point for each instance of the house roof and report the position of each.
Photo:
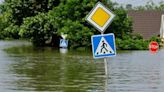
(146, 23)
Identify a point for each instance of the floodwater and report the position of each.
(25, 68)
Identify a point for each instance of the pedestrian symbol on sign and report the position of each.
(104, 45)
(104, 48)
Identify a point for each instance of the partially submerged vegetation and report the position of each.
(44, 21)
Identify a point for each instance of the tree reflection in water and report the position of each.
(46, 69)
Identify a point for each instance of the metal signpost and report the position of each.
(102, 45)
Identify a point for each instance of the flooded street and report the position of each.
(136, 71)
(25, 68)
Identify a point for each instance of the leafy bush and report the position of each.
(44, 21)
(11, 32)
(132, 42)
(69, 18)
(155, 38)
(78, 34)
(8, 29)
(38, 29)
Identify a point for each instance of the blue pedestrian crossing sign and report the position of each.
(63, 43)
(103, 45)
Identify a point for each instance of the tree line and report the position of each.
(43, 22)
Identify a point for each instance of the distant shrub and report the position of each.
(38, 29)
(132, 42)
(155, 38)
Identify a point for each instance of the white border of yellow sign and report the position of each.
(105, 12)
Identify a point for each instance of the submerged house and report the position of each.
(148, 23)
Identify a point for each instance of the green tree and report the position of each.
(38, 28)
(5, 22)
(14, 11)
(69, 18)
(78, 34)
(26, 8)
(44, 21)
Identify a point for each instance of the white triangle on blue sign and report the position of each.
(103, 48)
(63, 43)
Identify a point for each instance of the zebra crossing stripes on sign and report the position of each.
(103, 45)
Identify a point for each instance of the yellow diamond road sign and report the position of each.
(100, 17)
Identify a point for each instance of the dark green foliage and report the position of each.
(39, 29)
(78, 34)
(7, 29)
(11, 32)
(43, 22)
(155, 38)
(132, 42)
(135, 42)
(69, 18)
(26, 8)
(14, 11)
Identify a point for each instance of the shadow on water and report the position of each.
(46, 69)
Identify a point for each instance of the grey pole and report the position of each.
(105, 63)
(106, 66)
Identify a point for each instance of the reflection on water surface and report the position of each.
(25, 68)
